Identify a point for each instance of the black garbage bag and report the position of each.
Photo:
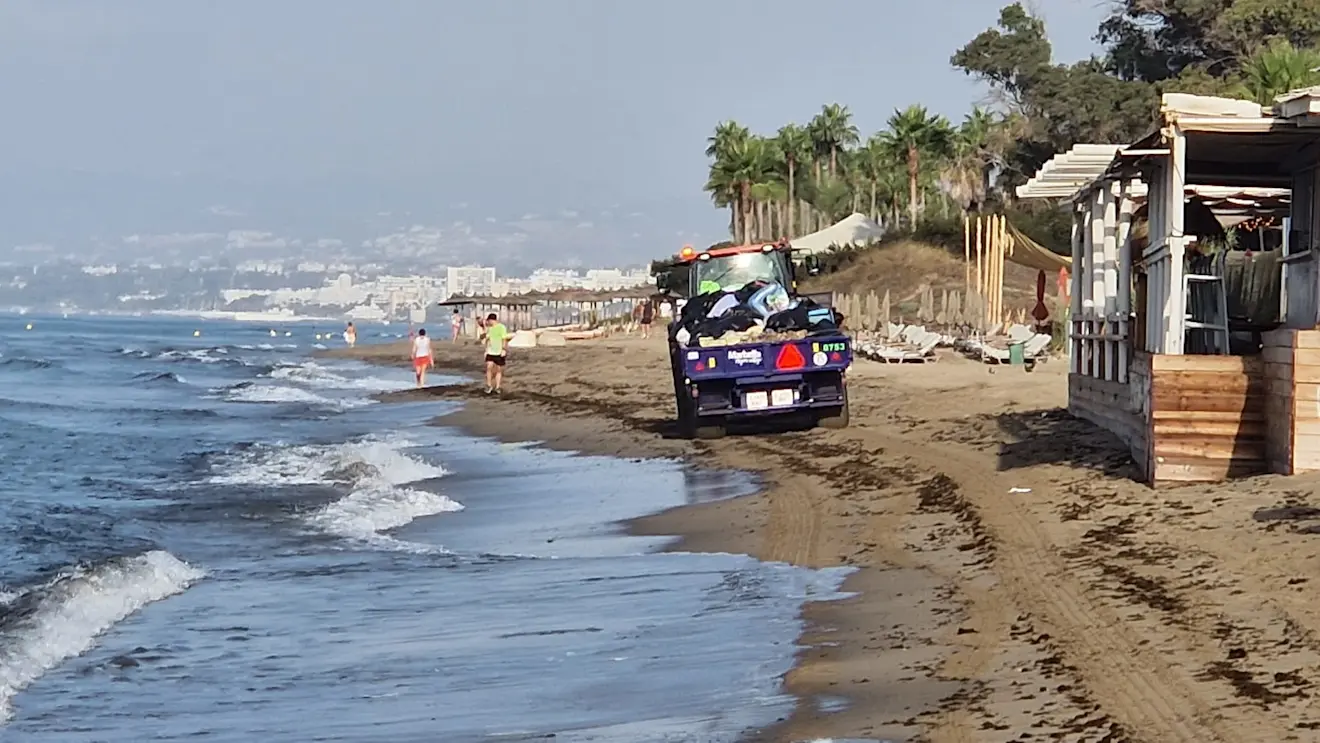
(807, 316)
(694, 318)
(738, 319)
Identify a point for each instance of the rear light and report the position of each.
(790, 358)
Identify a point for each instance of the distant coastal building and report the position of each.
(470, 281)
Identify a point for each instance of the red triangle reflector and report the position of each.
(790, 358)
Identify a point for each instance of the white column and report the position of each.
(1177, 200)
(1123, 239)
(1099, 298)
(1109, 278)
(1075, 288)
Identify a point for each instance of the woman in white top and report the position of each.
(423, 356)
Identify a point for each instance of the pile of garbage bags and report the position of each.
(758, 311)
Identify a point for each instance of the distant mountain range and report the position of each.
(113, 219)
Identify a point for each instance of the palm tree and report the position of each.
(736, 168)
(966, 176)
(919, 136)
(832, 130)
(876, 164)
(1278, 68)
(728, 135)
(794, 143)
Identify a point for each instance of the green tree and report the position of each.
(735, 169)
(832, 130)
(1278, 68)
(918, 136)
(794, 143)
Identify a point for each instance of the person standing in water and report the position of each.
(350, 335)
(423, 356)
(497, 352)
(456, 325)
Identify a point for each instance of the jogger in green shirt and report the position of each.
(497, 352)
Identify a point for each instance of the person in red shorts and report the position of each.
(423, 356)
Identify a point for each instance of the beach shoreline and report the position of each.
(1000, 584)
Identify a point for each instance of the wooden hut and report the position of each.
(517, 312)
(1153, 357)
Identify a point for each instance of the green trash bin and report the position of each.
(1015, 355)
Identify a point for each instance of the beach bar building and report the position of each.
(1194, 316)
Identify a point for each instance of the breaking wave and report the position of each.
(375, 472)
(269, 393)
(312, 374)
(44, 625)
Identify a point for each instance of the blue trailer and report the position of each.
(715, 385)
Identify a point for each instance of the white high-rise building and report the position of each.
(470, 281)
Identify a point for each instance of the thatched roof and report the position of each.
(563, 295)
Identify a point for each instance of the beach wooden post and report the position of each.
(980, 280)
(884, 316)
(967, 252)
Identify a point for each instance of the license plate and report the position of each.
(757, 401)
(781, 398)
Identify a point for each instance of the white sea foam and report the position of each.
(374, 471)
(268, 393)
(312, 374)
(74, 608)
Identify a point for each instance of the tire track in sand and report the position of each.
(1153, 702)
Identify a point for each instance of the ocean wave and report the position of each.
(159, 377)
(312, 374)
(23, 362)
(213, 355)
(42, 626)
(374, 471)
(268, 393)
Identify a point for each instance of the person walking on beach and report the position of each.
(456, 325)
(497, 352)
(647, 316)
(350, 335)
(423, 356)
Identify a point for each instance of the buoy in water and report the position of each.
(29, 326)
(197, 333)
(318, 336)
(273, 334)
(287, 334)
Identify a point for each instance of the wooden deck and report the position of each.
(1185, 418)
(1207, 418)
(1292, 373)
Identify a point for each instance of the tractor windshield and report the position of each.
(730, 272)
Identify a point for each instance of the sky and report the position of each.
(146, 114)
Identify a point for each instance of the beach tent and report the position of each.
(854, 229)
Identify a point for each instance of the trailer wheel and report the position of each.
(837, 418)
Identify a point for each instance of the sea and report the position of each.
(208, 534)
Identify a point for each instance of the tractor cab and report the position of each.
(694, 273)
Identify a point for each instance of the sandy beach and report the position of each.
(1013, 582)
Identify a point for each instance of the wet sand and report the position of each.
(1014, 583)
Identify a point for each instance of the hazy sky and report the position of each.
(533, 105)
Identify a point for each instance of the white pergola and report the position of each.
(1067, 173)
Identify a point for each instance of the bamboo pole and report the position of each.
(996, 313)
(980, 276)
(1003, 260)
(967, 252)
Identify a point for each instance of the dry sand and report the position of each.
(1015, 584)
